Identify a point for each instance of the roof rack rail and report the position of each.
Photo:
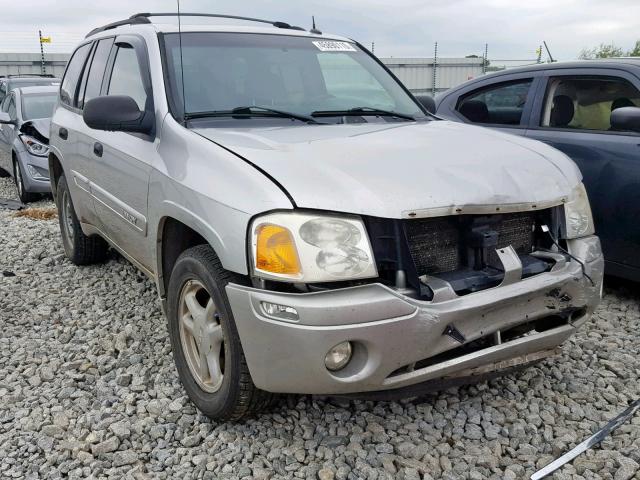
(26, 75)
(142, 18)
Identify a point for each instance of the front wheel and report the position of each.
(206, 346)
(25, 197)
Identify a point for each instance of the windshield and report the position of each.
(38, 105)
(299, 75)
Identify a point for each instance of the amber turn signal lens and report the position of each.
(276, 251)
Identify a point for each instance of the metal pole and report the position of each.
(548, 51)
(435, 67)
(42, 67)
(484, 60)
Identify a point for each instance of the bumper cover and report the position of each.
(31, 184)
(391, 331)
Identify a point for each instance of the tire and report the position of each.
(229, 393)
(23, 195)
(78, 247)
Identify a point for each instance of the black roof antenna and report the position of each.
(184, 100)
(313, 26)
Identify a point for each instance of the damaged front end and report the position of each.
(456, 298)
(34, 135)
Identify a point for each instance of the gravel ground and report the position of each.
(88, 389)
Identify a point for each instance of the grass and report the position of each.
(38, 213)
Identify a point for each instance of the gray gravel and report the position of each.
(88, 389)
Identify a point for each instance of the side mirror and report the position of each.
(626, 119)
(116, 113)
(5, 118)
(427, 102)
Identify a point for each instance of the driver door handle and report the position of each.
(97, 149)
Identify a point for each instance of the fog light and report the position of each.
(338, 356)
(283, 312)
(35, 174)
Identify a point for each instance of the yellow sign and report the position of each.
(45, 39)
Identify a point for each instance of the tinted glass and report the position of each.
(11, 108)
(5, 104)
(126, 78)
(500, 104)
(72, 75)
(96, 73)
(38, 105)
(223, 71)
(586, 103)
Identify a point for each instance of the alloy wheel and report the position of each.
(201, 336)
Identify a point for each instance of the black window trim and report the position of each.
(541, 95)
(73, 108)
(490, 85)
(89, 64)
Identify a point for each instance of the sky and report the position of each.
(400, 28)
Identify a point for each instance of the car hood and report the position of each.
(37, 128)
(392, 170)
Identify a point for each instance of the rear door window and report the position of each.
(96, 72)
(69, 87)
(499, 104)
(586, 102)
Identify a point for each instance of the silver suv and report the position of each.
(310, 228)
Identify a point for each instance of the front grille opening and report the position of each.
(462, 249)
(519, 331)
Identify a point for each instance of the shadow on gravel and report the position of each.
(626, 289)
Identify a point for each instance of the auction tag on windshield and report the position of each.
(333, 46)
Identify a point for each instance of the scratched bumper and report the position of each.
(398, 341)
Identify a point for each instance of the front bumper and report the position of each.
(391, 332)
(41, 164)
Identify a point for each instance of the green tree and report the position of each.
(603, 51)
(636, 51)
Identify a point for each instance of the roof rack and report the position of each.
(143, 18)
(26, 75)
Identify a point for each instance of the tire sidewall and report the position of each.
(24, 196)
(191, 266)
(69, 246)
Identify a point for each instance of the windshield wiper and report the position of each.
(251, 111)
(361, 111)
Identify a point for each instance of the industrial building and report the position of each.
(26, 63)
(420, 75)
(426, 75)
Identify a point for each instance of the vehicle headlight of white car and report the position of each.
(577, 213)
(311, 248)
(34, 147)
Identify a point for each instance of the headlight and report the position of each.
(309, 248)
(577, 213)
(34, 147)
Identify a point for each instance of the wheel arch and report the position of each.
(179, 230)
(55, 172)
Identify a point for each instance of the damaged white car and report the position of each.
(310, 228)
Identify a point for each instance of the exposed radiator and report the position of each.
(440, 244)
